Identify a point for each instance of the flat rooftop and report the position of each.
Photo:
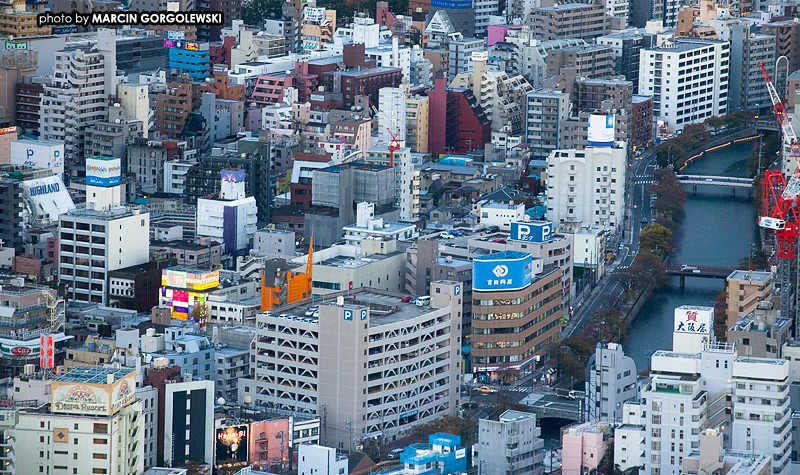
(385, 307)
(94, 375)
(346, 262)
(750, 276)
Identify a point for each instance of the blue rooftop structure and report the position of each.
(442, 455)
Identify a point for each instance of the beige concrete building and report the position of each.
(746, 289)
(378, 264)
(712, 458)
(18, 20)
(417, 108)
(366, 362)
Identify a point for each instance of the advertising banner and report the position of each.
(502, 271)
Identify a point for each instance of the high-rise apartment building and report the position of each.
(569, 20)
(417, 110)
(688, 80)
(745, 290)
(587, 186)
(747, 52)
(84, 77)
(368, 364)
(546, 110)
(590, 61)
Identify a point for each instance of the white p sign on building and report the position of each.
(532, 232)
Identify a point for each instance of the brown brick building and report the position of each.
(510, 328)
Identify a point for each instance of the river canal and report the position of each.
(718, 230)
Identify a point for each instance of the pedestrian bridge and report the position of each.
(725, 181)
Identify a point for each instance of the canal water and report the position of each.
(718, 230)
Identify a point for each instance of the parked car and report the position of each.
(446, 235)
(311, 310)
(421, 301)
(493, 229)
(456, 232)
(395, 454)
(499, 241)
(405, 298)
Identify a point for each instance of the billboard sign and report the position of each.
(601, 130)
(39, 154)
(313, 14)
(16, 45)
(72, 397)
(236, 176)
(176, 278)
(232, 447)
(176, 35)
(452, 4)
(502, 271)
(690, 319)
(309, 45)
(20, 350)
(531, 232)
(103, 171)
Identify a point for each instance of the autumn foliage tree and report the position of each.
(657, 239)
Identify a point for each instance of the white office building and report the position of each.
(83, 79)
(587, 186)
(702, 384)
(688, 80)
(102, 237)
(611, 382)
(229, 217)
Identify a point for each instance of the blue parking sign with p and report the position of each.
(348, 315)
(363, 314)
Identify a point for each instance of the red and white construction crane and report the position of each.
(779, 210)
(394, 144)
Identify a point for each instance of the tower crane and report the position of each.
(779, 211)
(394, 145)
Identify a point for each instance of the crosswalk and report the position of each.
(518, 390)
(645, 182)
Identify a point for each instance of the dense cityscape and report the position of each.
(417, 237)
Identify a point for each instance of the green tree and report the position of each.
(254, 12)
(668, 154)
(758, 260)
(657, 239)
(200, 313)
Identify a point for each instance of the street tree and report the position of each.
(657, 239)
